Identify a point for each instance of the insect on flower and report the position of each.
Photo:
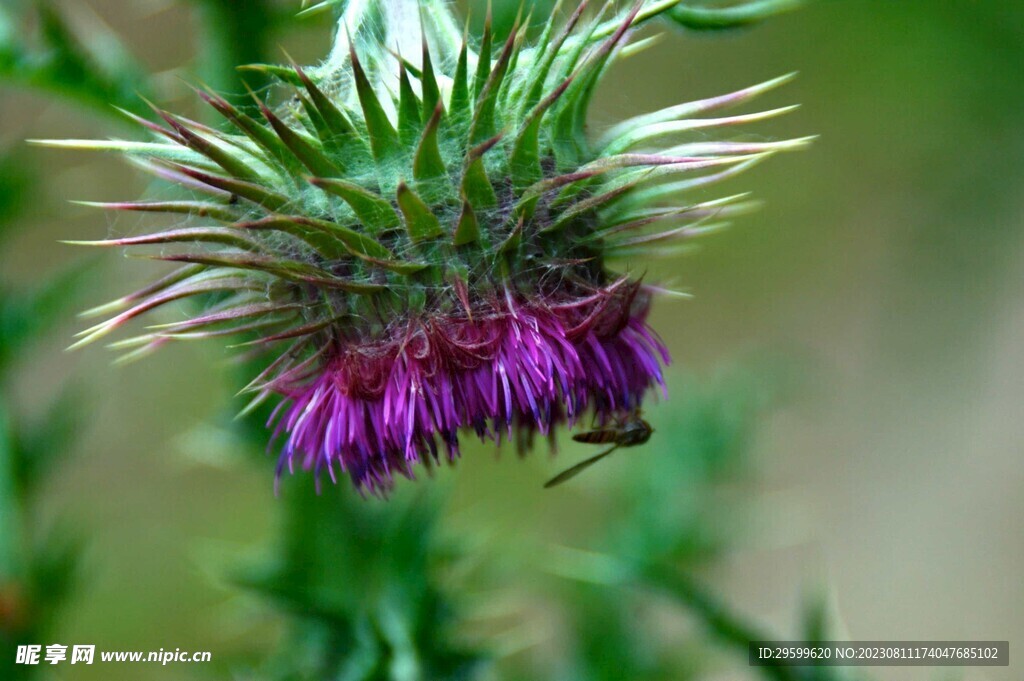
(628, 431)
(423, 240)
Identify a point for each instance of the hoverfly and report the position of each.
(627, 432)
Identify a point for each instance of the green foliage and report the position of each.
(95, 70)
(496, 181)
(718, 17)
(682, 519)
(682, 522)
(17, 184)
(679, 522)
(362, 582)
(37, 567)
(26, 315)
(235, 33)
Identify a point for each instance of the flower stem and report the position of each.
(719, 620)
(234, 33)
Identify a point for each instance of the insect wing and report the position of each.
(597, 437)
(572, 472)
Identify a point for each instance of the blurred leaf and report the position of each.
(361, 574)
(17, 184)
(233, 34)
(613, 640)
(10, 507)
(815, 618)
(35, 579)
(705, 440)
(712, 18)
(671, 517)
(99, 73)
(8, 32)
(53, 574)
(816, 628)
(504, 14)
(24, 315)
(724, 625)
(40, 445)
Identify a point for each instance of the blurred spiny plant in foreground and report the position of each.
(391, 591)
(38, 559)
(370, 588)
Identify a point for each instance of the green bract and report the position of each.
(395, 181)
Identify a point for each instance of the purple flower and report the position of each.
(423, 247)
(517, 367)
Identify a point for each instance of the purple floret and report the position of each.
(519, 367)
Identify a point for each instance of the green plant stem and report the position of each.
(726, 626)
(234, 33)
(10, 506)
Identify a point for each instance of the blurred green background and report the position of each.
(858, 341)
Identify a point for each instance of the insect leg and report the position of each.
(573, 471)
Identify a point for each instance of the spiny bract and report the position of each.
(423, 242)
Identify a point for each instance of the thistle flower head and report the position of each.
(421, 241)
